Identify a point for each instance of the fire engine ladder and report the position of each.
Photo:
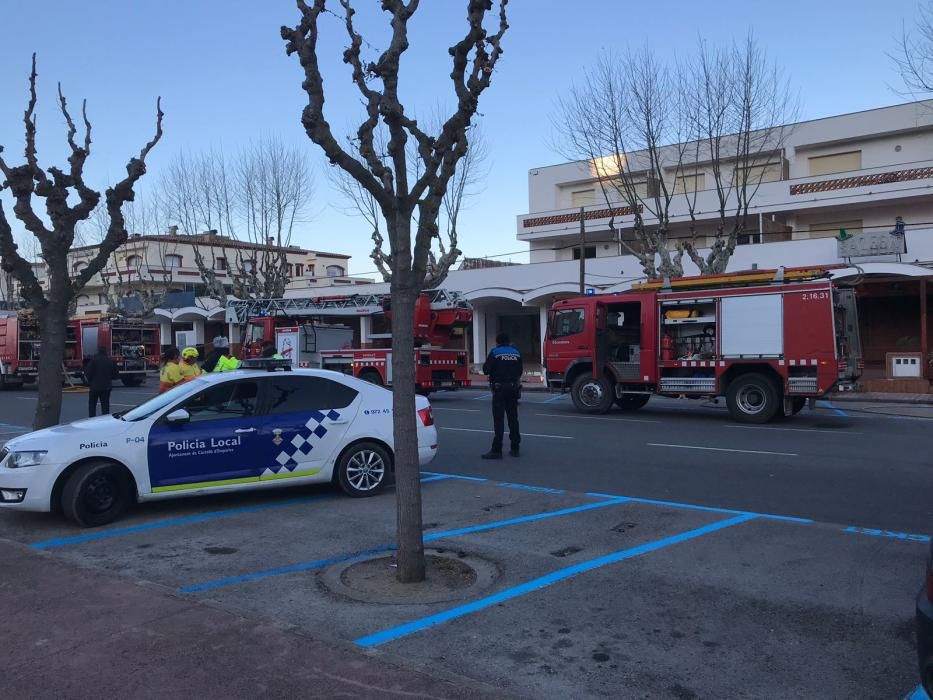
(240, 311)
(736, 279)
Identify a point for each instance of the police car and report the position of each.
(245, 429)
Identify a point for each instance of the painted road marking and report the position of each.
(455, 476)
(461, 410)
(617, 420)
(553, 398)
(322, 563)
(481, 397)
(550, 579)
(837, 411)
(188, 520)
(887, 533)
(795, 430)
(476, 430)
(436, 477)
(721, 449)
(918, 694)
(712, 509)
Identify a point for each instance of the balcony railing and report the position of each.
(840, 189)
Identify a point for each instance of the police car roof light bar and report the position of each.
(269, 364)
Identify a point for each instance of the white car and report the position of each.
(220, 432)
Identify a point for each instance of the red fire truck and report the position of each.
(133, 344)
(440, 316)
(767, 340)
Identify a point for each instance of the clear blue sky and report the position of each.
(224, 78)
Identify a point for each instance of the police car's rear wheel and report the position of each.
(363, 469)
(96, 494)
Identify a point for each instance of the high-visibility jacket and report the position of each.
(189, 371)
(169, 376)
(226, 364)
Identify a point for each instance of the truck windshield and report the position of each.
(254, 333)
(156, 404)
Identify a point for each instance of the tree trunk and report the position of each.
(411, 564)
(53, 321)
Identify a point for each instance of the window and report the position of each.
(291, 394)
(766, 172)
(310, 270)
(299, 270)
(220, 263)
(836, 163)
(224, 401)
(582, 198)
(172, 261)
(567, 322)
(689, 184)
(334, 271)
(255, 333)
(133, 262)
(590, 252)
(78, 266)
(288, 270)
(101, 298)
(831, 229)
(82, 300)
(249, 265)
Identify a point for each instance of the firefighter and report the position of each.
(269, 351)
(170, 374)
(221, 347)
(224, 362)
(504, 368)
(188, 367)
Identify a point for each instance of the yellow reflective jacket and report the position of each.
(226, 364)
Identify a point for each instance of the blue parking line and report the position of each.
(436, 477)
(890, 534)
(712, 509)
(554, 398)
(550, 579)
(188, 520)
(918, 694)
(322, 563)
(837, 411)
(455, 476)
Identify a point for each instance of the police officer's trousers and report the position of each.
(505, 405)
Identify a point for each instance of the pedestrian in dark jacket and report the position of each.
(100, 373)
(221, 348)
(504, 367)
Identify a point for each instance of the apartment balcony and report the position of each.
(908, 182)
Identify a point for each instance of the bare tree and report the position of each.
(56, 233)
(399, 192)
(651, 133)
(914, 58)
(243, 212)
(466, 183)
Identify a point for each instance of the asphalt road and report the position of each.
(633, 555)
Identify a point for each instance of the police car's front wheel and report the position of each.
(363, 469)
(97, 493)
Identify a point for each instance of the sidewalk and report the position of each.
(881, 397)
(71, 632)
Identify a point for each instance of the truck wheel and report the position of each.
(371, 376)
(96, 494)
(591, 395)
(133, 380)
(632, 402)
(752, 398)
(363, 469)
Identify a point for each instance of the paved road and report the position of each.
(633, 553)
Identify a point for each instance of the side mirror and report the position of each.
(178, 417)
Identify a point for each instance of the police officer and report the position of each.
(504, 368)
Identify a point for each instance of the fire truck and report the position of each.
(295, 326)
(134, 345)
(766, 340)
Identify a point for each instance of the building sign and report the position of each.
(864, 245)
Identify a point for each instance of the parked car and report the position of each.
(247, 429)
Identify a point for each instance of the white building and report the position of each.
(856, 172)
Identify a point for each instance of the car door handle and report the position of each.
(340, 422)
(245, 430)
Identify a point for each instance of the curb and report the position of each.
(905, 399)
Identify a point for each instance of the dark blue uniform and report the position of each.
(504, 368)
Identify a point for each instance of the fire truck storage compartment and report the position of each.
(753, 326)
(623, 340)
(688, 346)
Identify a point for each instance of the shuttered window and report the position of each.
(836, 163)
(582, 198)
(690, 183)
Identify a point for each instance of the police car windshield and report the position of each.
(153, 405)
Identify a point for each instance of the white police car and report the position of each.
(220, 432)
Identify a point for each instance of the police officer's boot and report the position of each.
(493, 454)
(514, 451)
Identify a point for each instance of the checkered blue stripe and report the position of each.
(297, 451)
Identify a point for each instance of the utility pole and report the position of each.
(582, 253)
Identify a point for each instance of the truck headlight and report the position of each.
(31, 458)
